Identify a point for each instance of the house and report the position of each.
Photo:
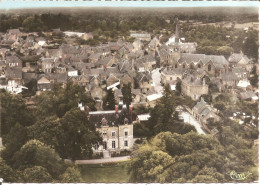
(136, 95)
(13, 61)
(14, 74)
(48, 64)
(138, 45)
(152, 46)
(194, 87)
(152, 99)
(126, 79)
(72, 72)
(141, 35)
(170, 75)
(229, 79)
(238, 59)
(203, 111)
(116, 128)
(12, 87)
(118, 95)
(248, 96)
(43, 83)
(145, 81)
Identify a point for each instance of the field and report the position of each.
(97, 173)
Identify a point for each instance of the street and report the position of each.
(188, 118)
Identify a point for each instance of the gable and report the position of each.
(43, 80)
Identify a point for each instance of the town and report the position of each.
(103, 102)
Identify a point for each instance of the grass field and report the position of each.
(97, 173)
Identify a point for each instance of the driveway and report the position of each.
(188, 118)
(106, 160)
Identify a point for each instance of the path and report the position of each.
(107, 160)
(188, 118)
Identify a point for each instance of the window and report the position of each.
(126, 143)
(104, 133)
(176, 66)
(183, 66)
(96, 146)
(104, 145)
(199, 66)
(209, 67)
(113, 133)
(126, 133)
(170, 78)
(113, 144)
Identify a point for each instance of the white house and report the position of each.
(13, 87)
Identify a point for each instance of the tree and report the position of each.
(178, 88)
(71, 175)
(254, 78)
(16, 138)
(127, 94)
(7, 173)
(36, 153)
(79, 135)
(13, 110)
(109, 100)
(250, 47)
(36, 174)
(48, 131)
(33, 23)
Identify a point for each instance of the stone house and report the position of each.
(203, 111)
(15, 74)
(194, 87)
(145, 81)
(48, 64)
(13, 61)
(116, 128)
(126, 79)
(170, 75)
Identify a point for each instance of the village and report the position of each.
(110, 99)
(147, 64)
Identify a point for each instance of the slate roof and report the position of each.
(230, 76)
(12, 73)
(12, 59)
(236, 57)
(14, 31)
(144, 77)
(193, 80)
(172, 71)
(109, 117)
(247, 95)
(218, 61)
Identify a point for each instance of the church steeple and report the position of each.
(177, 31)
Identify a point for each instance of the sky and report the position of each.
(14, 4)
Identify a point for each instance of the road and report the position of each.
(106, 160)
(188, 118)
(156, 76)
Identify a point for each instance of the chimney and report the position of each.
(130, 112)
(116, 109)
(203, 81)
(87, 110)
(201, 99)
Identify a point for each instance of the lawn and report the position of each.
(97, 173)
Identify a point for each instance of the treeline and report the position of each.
(37, 140)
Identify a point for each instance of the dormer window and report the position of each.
(126, 121)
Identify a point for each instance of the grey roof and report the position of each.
(144, 77)
(173, 71)
(218, 61)
(200, 104)
(239, 70)
(230, 76)
(192, 80)
(136, 91)
(13, 59)
(94, 56)
(118, 93)
(247, 95)
(153, 41)
(236, 57)
(14, 31)
(29, 76)
(14, 73)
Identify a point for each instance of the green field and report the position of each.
(97, 173)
